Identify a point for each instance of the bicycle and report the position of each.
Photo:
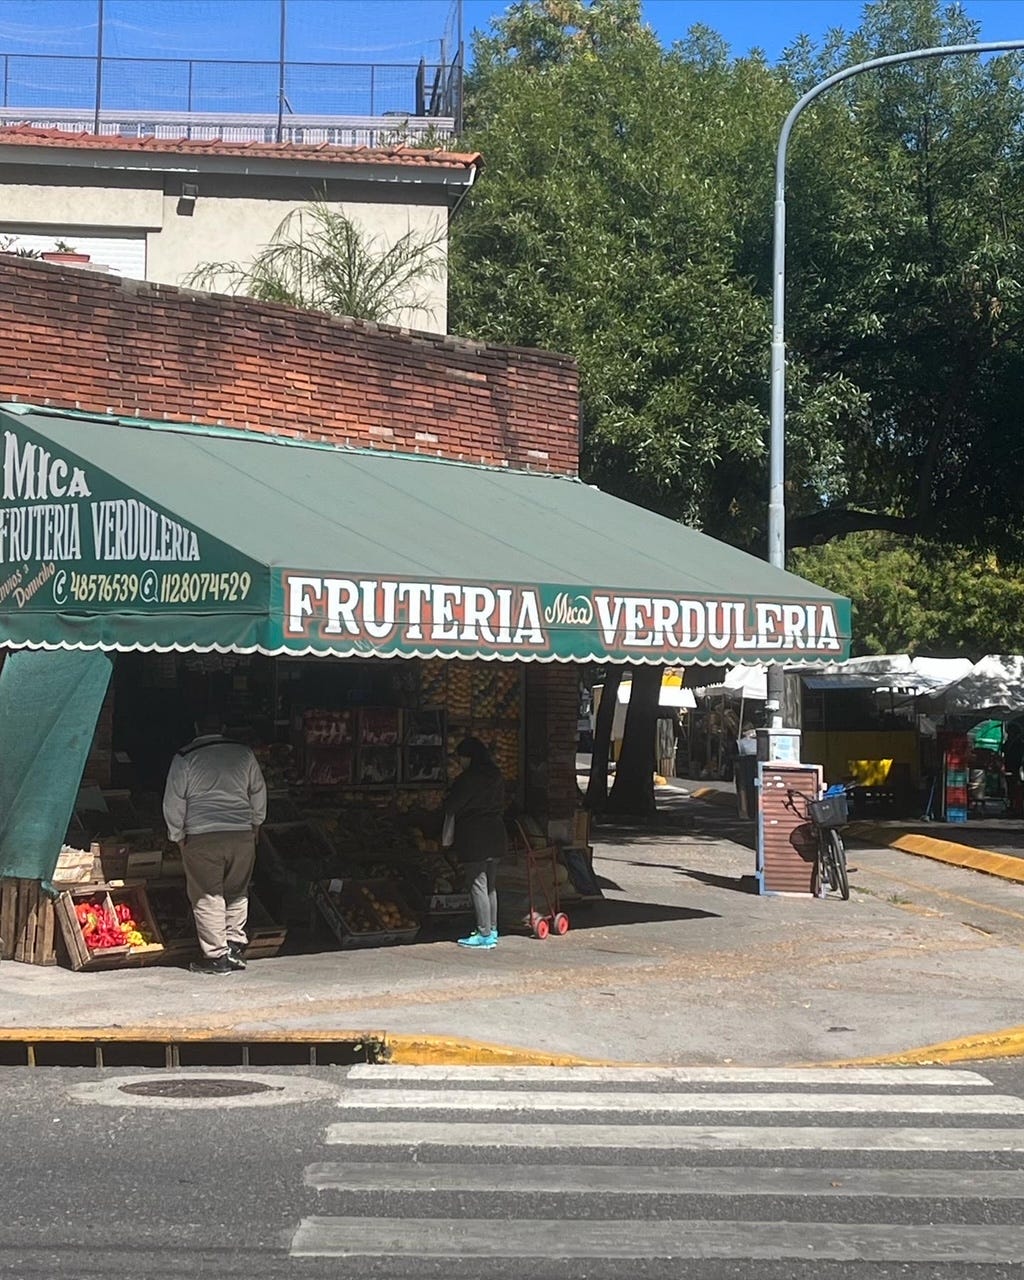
(827, 814)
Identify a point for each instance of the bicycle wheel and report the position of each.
(835, 860)
(822, 875)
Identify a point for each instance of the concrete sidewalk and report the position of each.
(994, 846)
(679, 964)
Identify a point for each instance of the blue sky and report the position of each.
(396, 30)
(773, 24)
(354, 31)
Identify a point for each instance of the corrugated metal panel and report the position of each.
(788, 842)
(123, 255)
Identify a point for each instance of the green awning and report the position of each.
(118, 534)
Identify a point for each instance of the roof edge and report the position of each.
(18, 408)
(37, 142)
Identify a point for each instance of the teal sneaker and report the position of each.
(494, 937)
(477, 939)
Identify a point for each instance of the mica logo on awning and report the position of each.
(373, 614)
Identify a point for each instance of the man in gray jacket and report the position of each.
(215, 802)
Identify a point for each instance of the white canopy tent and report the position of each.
(994, 684)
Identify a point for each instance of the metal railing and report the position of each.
(233, 100)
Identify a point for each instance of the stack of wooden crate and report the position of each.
(28, 930)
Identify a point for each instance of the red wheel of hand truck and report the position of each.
(541, 928)
(560, 924)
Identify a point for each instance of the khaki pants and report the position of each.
(218, 868)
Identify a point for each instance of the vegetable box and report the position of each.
(108, 927)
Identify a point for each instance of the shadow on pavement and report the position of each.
(740, 884)
(608, 913)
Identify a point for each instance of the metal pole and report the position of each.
(460, 59)
(188, 105)
(777, 433)
(99, 66)
(281, 71)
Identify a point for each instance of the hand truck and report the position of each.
(550, 919)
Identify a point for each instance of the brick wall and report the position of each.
(552, 709)
(80, 339)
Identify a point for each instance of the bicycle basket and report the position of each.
(829, 811)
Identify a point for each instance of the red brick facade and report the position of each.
(552, 701)
(82, 340)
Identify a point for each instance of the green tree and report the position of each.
(915, 597)
(605, 226)
(625, 217)
(319, 259)
(906, 275)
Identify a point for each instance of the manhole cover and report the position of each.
(198, 1088)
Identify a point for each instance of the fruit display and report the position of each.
(424, 729)
(392, 914)
(506, 752)
(328, 728)
(105, 925)
(357, 917)
(355, 830)
(379, 726)
(277, 764)
(459, 698)
(433, 682)
(408, 801)
(424, 764)
(330, 770)
(378, 765)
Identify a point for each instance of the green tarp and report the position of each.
(130, 535)
(49, 705)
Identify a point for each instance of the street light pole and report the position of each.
(777, 434)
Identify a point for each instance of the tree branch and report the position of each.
(836, 522)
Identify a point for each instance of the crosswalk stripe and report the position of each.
(488, 1238)
(627, 1180)
(537, 1103)
(669, 1137)
(902, 1076)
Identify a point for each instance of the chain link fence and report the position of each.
(234, 100)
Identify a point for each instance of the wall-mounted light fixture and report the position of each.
(187, 199)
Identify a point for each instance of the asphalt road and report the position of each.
(399, 1173)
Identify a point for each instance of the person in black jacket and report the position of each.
(476, 803)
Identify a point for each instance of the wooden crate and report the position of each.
(170, 902)
(28, 924)
(266, 935)
(78, 953)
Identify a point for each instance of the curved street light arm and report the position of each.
(777, 436)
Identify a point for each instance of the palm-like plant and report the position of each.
(318, 259)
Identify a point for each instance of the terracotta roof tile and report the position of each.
(26, 135)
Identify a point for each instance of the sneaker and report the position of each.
(477, 939)
(494, 937)
(236, 955)
(215, 967)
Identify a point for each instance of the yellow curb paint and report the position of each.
(182, 1035)
(713, 795)
(946, 895)
(407, 1050)
(948, 851)
(423, 1051)
(1008, 1043)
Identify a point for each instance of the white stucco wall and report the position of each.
(232, 219)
